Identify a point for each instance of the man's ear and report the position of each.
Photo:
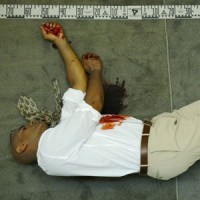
(21, 148)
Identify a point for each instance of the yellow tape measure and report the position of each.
(95, 12)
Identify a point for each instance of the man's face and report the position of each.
(31, 131)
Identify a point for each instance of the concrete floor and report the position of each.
(159, 59)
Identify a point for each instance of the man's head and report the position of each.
(24, 141)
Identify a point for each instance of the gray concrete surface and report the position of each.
(159, 59)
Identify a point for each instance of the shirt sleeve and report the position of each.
(64, 141)
(71, 100)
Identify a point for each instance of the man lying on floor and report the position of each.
(84, 143)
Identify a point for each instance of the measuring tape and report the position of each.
(93, 12)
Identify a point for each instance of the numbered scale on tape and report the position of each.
(99, 12)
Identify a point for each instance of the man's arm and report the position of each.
(95, 93)
(74, 69)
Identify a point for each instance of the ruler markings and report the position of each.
(102, 12)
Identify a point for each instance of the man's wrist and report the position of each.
(60, 42)
(96, 71)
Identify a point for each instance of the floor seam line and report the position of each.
(170, 91)
(168, 66)
(177, 197)
(170, 87)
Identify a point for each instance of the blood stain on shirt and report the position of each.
(110, 121)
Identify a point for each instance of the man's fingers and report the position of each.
(53, 28)
(91, 56)
(43, 31)
(85, 56)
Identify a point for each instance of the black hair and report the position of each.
(114, 95)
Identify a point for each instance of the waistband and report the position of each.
(144, 147)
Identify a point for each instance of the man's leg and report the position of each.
(95, 93)
(75, 72)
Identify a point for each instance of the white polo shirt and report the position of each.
(81, 145)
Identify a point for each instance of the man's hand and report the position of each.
(52, 31)
(91, 62)
(95, 93)
(74, 69)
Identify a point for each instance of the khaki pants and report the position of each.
(174, 142)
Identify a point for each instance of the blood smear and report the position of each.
(110, 121)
